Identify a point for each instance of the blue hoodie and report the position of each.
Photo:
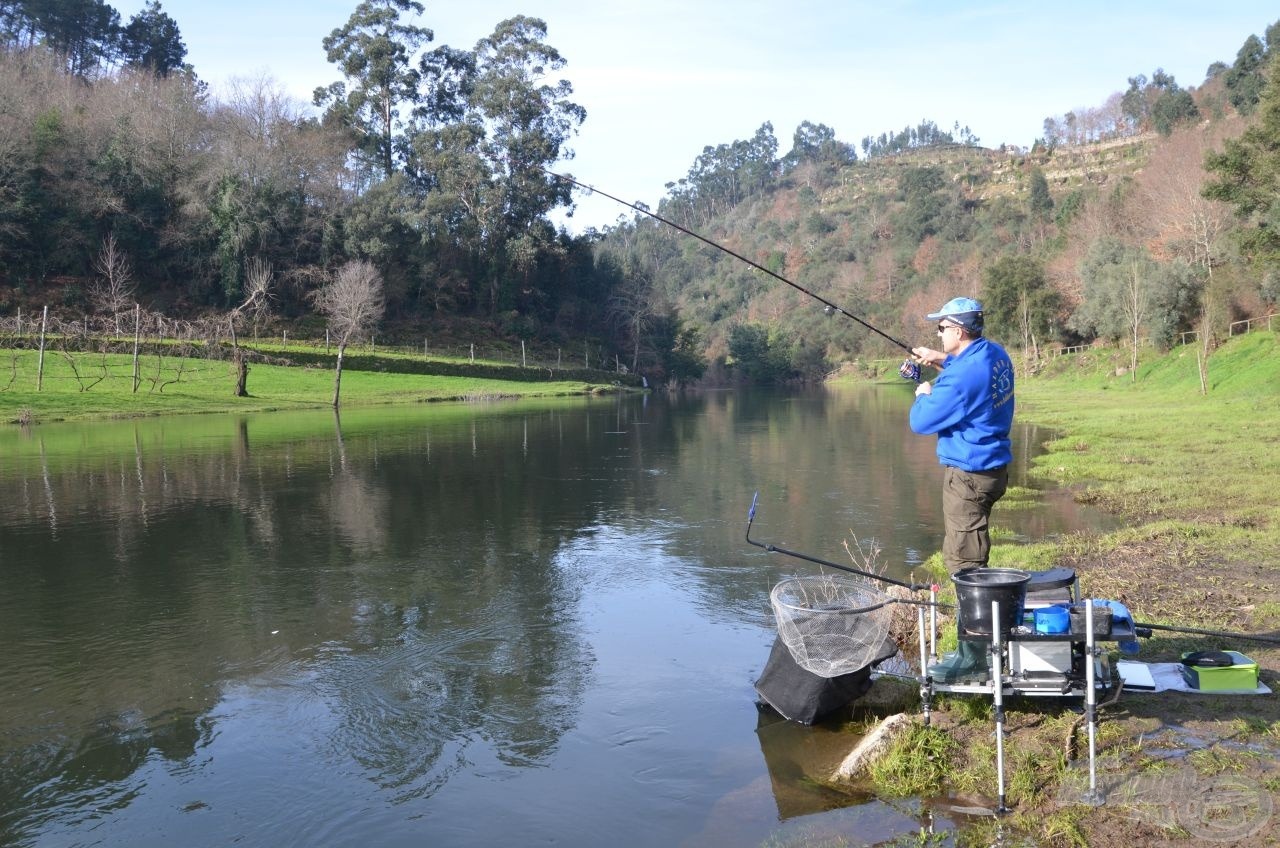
(970, 408)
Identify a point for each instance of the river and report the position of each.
(519, 623)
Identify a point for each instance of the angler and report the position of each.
(970, 409)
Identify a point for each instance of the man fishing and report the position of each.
(970, 408)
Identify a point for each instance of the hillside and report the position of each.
(126, 186)
(1113, 208)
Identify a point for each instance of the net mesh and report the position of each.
(832, 625)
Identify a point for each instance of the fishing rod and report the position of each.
(751, 517)
(830, 307)
(1253, 637)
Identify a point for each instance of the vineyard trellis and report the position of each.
(163, 351)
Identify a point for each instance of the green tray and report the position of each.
(1242, 675)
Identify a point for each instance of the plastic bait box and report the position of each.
(1241, 674)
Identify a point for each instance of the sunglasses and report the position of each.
(942, 328)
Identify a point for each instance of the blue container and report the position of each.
(1052, 620)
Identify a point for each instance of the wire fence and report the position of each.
(47, 329)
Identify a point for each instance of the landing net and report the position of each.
(833, 625)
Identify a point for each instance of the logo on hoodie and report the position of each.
(1001, 383)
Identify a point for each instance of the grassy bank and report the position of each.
(101, 386)
(1194, 475)
(1196, 478)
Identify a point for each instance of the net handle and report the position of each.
(751, 517)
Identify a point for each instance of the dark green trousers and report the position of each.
(967, 498)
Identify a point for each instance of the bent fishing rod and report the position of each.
(830, 307)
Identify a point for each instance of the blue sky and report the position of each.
(661, 79)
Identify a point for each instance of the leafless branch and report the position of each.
(352, 301)
(112, 289)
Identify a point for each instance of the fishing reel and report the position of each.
(910, 370)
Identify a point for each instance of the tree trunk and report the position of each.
(242, 374)
(1202, 352)
(337, 374)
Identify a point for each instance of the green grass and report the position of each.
(1195, 475)
(1195, 478)
(179, 386)
(916, 764)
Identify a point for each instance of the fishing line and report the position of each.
(830, 307)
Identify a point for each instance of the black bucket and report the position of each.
(976, 588)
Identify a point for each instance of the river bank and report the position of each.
(1194, 477)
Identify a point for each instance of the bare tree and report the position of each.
(255, 306)
(633, 306)
(1187, 223)
(1134, 303)
(353, 304)
(112, 289)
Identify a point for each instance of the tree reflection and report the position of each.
(411, 580)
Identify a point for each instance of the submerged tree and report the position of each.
(256, 306)
(352, 302)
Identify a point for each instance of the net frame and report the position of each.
(832, 624)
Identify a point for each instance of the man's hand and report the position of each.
(924, 388)
(928, 356)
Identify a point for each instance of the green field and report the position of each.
(101, 386)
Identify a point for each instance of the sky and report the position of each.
(662, 79)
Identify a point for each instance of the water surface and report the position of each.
(467, 625)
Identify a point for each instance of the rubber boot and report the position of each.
(968, 663)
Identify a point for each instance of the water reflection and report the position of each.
(346, 630)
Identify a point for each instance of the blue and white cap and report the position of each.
(964, 311)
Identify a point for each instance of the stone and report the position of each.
(872, 747)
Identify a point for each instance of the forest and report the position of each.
(126, 185)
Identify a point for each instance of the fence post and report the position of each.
(524, 363)
(44, 320)
(473, 353)
(137, 330)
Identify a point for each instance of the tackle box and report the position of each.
(1242, 674)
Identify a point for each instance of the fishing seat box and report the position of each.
(1242, 674)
